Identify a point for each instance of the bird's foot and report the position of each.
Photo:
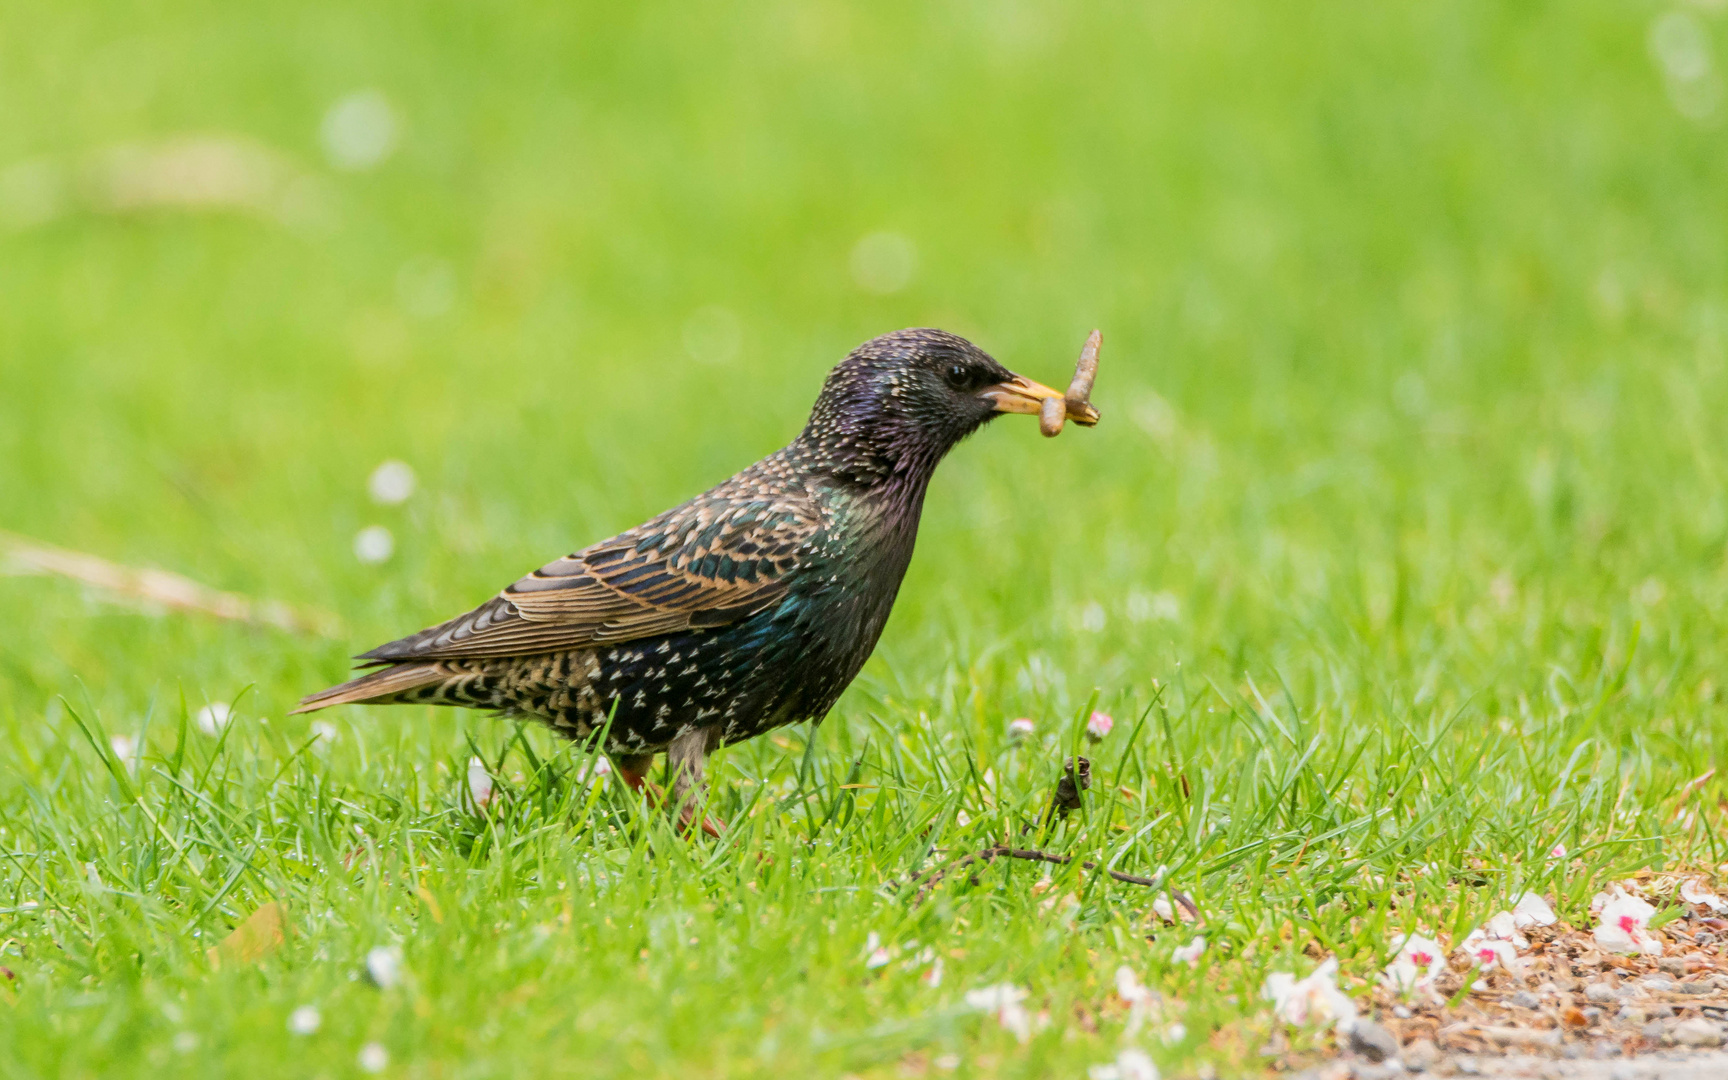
(711, 825)
(634, 772)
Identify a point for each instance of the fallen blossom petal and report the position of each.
(374, 544)
(126, 750)
(1504, 926)
(1624, 927)
(391, 482)
(1415, 965)
(1694, 891)
(1098, 725)
(1163, 908)
(1190, 953)
(373, 1057)
(1128, 985)
(1141, 1001)
(1558, 851)
(479, 783)
(876, 954)
(595, 773)
(1004, 1000)
(384, 966)
(990, 998)
(1532, 910)
(1490, 952)
(1130, 1064)
(212, 718)
(1021, 728)
(1314, 1000)
(305, 1020)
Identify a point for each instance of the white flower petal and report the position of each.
(374, 544)
(1130, 1064)
(384, 966)
(305, 1020)
(1694, 891)
(1004, 1000)
(1532, 910)
(1315, 999)
(391, 482)
(1624, 926)
(1415, 965)
(1191, 952)
(479, 783)
(212, 718)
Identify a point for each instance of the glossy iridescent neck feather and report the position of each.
(891, 410)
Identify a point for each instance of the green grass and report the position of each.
(1400, 555)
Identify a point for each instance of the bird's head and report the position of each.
(901, 401)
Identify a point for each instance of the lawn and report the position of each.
(1399, 557)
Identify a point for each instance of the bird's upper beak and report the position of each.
(1022, 395)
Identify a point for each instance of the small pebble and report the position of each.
(1697, 1033)
(1629, 1014)
(1373, 1041)
(1673, 965)
(1421, 1055)
(1601, 993)
(1401, 1012)
(1524, 999)
(1697, 987)
(1660, 1012)
(1654, 1030)
(1658, 984)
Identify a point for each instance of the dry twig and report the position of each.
(1076, 778)
(932, 878)
(24, 556)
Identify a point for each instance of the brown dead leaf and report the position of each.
(260, 935)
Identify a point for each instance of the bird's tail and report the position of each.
(376, 687)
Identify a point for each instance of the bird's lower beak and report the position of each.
(1022, 395)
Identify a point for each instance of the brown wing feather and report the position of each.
(715, 559)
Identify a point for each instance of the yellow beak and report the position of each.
(1022, 395)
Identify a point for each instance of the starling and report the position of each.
(751, 606)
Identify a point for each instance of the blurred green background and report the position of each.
(1389, 292)
(1414, 319)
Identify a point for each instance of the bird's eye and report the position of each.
(958, 377)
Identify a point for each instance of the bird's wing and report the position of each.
(708, 562)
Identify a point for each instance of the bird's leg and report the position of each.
(633, 770)
(686, 760)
